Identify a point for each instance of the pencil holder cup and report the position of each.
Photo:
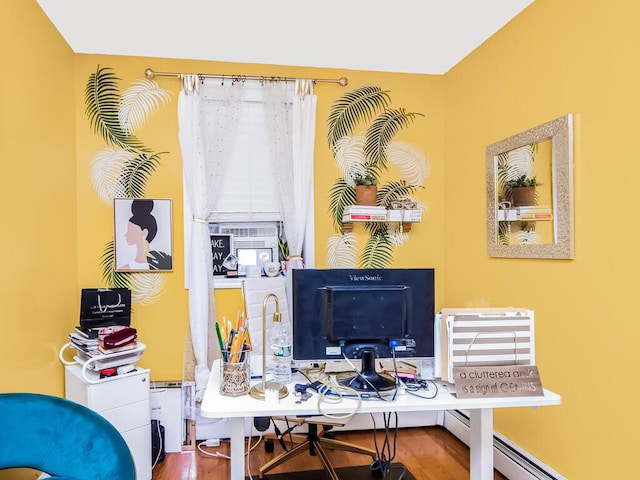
(235, 373)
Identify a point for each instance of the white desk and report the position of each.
(480, 410)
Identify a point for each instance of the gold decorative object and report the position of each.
(259, 391)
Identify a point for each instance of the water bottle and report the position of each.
(282, 354)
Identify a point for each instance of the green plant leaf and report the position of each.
(380, 134)
(112, 278)
(354, 107)
(341, 195)
(378, 252)
(102, 101)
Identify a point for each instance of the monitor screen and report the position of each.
(340, 312)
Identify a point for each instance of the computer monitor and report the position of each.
(363, 314)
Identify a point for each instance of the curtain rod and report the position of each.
(340, 81)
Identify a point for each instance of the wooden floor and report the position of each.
(429, 453)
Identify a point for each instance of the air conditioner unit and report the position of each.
(254, 243)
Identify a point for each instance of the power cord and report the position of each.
(157, 459)
(377, 392)
(414, 386)
(387, 452)
(219, 454)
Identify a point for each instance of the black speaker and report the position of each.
(157, 442)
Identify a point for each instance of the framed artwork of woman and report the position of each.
(143, 235)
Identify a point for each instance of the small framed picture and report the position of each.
(143, 235)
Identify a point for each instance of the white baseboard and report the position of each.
(510, 460)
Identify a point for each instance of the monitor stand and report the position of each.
(368, 380)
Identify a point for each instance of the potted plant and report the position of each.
(366, 189)
(523, 190)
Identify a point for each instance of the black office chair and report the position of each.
(315, 442)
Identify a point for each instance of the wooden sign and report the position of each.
(220, 248)
(497, 381)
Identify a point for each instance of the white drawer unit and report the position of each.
(124, 401)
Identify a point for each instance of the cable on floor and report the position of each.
(387, 452)
(219, 454)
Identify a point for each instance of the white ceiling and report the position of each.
(408, 36)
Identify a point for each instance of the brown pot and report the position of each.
(523, 196)
(366, 194)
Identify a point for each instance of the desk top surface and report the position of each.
(215, 405)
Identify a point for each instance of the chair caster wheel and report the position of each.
(269, 446)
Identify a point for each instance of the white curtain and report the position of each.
(208, 119)
(291, 115)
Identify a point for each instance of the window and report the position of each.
(248, 205)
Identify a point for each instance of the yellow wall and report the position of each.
(579, 57)
(164, 324)
(39, 275)
(574, 56)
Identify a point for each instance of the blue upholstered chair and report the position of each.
(61, 438)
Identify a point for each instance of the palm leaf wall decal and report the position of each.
(528, 236)
(503, 233)
(349, 155)
(138, 102)
(380, 134)
(378, 252)
(102, 100)
(342, 250)
(516, 162)
(106, 169)
(396, 237)
(394, 190)
(376, 228)
(145, 288)
(136, 172)
(112, 278)
(409, 160)
(341, 195)
(354, 107)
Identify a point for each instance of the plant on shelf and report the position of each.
(523, 190)
(366, 189)
(523, 181)
(366, 180)
(361, 130)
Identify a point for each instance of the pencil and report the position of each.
(220, 342)
(236, 348)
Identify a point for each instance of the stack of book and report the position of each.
(104, 340)
(404, 215)
(364, 213)
(85, 340)
(525, 213)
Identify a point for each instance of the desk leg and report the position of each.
(481, 448)
(237, 448)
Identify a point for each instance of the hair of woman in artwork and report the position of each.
(141, 210)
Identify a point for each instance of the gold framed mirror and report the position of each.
(539, 163)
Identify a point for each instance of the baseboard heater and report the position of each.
(509, 459)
